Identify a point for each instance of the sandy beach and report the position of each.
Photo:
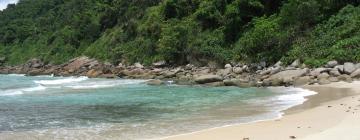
(332, 114)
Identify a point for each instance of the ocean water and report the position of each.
(46, 107)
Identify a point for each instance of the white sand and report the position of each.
(337, 119)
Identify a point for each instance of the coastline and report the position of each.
(309, 121)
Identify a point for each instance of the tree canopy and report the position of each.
(181, 31)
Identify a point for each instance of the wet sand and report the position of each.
(333, 114)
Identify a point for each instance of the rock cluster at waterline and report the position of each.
(231, 75)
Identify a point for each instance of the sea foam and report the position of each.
(61, 81)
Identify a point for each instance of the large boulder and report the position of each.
(159, 64)
(356, 74)
(138, 65)
(80, 62)
(34, 63)
(278, 64)
(318, 71)
(333, 79)
(238, 70)
(345, 78)
(323, 76)
(286, 77)
(331, 64)
(302, 81)
(334, 72)
(340, 68)
(208, 79)
(224, 72)
(275, 70)
(349, 68)
(228, 66)
(324, 81)
(296, 63)
(93, 73)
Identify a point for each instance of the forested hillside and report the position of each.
(182, 31)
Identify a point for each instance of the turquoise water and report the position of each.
(82, 108)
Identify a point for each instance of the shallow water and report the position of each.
(46, 107)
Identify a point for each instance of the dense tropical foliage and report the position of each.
(182, 31)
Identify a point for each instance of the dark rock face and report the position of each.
(208, 79)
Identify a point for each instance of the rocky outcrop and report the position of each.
(79, 63)
(234, 74)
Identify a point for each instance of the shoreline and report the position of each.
(310, 111)
(340, 91)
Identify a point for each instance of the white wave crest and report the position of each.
(61, 81)
(105, 84)
(20, 91)
(289, 98)
(17, 75)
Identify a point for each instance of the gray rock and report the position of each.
(138, 65)
(302, 81)
(80, 62)
(189, 67)
(345, 78)
(331, 64)
(323, 76)
(208, 79)
(333, 79)
(228, 66)
(324, 81)
(275, 70)
(355, 74)
(349, 68)
(334, 72)
(265, 72)
(288, 75)
(296, 63)
(357, 65)
(278, 64)
(318, 71)
(224, 72)
(159, 64)
(155, 82)
(238, 70)
(340, 68)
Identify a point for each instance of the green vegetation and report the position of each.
(182, 31)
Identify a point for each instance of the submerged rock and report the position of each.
(155, 82)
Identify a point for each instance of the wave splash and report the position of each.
(61, 81)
